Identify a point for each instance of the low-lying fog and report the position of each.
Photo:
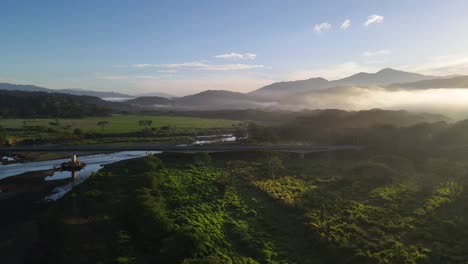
(447, 101)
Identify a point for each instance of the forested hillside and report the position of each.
(52, 105)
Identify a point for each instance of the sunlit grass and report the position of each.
(120, 123)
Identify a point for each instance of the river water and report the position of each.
(93, 164)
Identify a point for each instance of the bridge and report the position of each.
(301, 149)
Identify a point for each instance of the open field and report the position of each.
(119, 123)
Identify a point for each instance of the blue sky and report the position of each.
(180, 47)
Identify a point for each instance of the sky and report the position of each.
(182, 47)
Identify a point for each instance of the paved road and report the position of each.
(205, 148)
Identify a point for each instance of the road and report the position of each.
(202, 148)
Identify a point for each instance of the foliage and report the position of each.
(202, 158)
(45, 105)
(371, 210)
(145, 122)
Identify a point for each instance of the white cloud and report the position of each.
(153, 77)
(201, 66)
(373, 19)
(142, 65)
(237, 56)
(369, 54)
(322, 26)
(167, 71)
(346, 24)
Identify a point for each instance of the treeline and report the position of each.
(380, 131)
(19, 104)
(277, 117)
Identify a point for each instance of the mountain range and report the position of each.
(296, 94)
(33, 88)
(385, 76)
(276, 95)
(453, 82)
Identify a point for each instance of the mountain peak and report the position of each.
(387, 70)
(318, 79)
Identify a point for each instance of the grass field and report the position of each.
(121, 123)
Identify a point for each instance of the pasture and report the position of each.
(117, 124)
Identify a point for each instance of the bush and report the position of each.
(202, 159)
(373, 174)
(78, 132)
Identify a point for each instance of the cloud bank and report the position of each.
(450, 102)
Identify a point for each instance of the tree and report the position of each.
(56, 123)
(102, 124)
(145, 122)
(202, 158)
(78, 132)
(2, 135)
(274, 164)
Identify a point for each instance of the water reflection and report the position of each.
(202, 140)
(93, 164)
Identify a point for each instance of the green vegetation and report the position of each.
(45, 105)
(111, 129)
(120, 123)
(230, 209)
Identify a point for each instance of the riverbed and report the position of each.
(93, 164)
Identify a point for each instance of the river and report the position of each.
(93, 164)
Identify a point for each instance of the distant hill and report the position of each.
(215, 99)
(366, 118)
(157, 94)
(23, 87)
(383, 77)
(153, 101)
(44, 104)
(33, 88)
(454, 82)
(94, 93)
(292, 95)
(280, 89)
